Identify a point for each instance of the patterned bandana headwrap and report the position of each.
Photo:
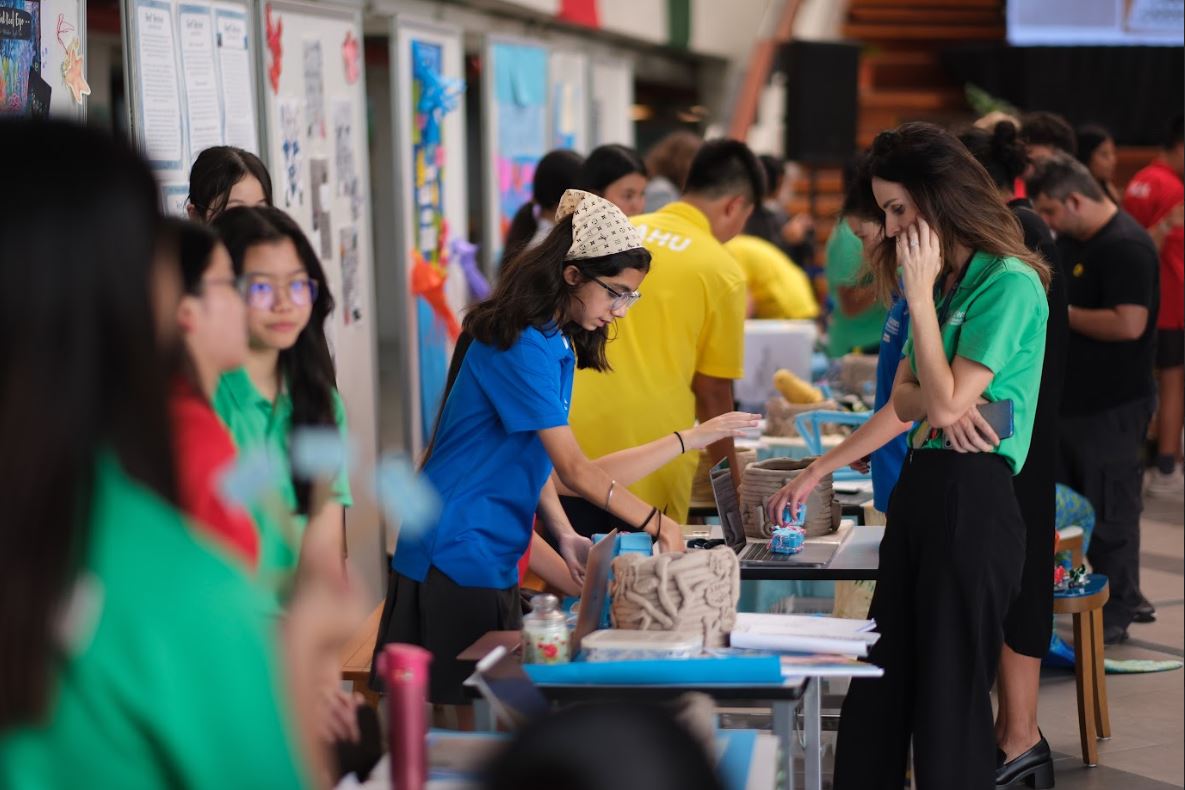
(598, 227)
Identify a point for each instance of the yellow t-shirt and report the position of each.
(690, 319)
(779, 288)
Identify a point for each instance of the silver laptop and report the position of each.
(753, 553)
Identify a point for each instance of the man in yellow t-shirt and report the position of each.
(777, 287)
(675, 355)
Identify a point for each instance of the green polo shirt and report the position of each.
(255, 421)
(997, 318)
(845, 259)
(170, 676)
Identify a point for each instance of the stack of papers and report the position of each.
(796, 633)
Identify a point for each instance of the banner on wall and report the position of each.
(190, 85)
(43, 58)
(569, 101)
(516, 129)
(433, 96)
(427, 72)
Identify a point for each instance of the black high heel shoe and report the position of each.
(1034, 768)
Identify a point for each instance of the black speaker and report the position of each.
(821, 101)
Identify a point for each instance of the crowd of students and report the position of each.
(157, 631)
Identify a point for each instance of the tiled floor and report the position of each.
(1145, 750)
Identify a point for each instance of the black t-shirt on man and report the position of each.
(1118, 265)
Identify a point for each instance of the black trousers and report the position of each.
(444, 618)
(1102, 459)
(1029, 623)
(950, 566)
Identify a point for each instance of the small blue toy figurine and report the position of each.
(787, 540)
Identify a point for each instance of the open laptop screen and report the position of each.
(727, 504)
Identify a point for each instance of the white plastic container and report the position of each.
(617, 644)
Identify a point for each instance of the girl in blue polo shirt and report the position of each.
(503, 430)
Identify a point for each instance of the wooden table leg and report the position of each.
(1084, 677)
(1102, 714)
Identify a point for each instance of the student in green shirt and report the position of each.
(858, 317)
(287, 384)
(954, 544)
(134, 655)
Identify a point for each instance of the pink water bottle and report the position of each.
(404, 669)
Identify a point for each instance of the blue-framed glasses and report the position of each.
(261, 293)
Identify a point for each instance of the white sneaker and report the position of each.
(1157, 483)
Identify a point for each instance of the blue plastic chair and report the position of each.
(808, 425)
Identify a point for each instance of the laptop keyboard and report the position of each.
(760, 551)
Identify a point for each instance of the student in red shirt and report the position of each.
(1156, 198)
(212, 322)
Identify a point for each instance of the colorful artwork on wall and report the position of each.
(433, 96)
(520, 94)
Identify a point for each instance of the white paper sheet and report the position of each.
(314, 89)
(160, 110)
(292, 168)
(203, 109)
(234, 62)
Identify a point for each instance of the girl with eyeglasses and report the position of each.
(503, 431)
(211, 321)
(287, 383)
(133, 654)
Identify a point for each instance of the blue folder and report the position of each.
(735, 670)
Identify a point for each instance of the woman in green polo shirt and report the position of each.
(134, 655)
(954, 542)
(287, 384)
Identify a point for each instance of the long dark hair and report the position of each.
(557, 172)
(307, 367)
(1089, 137)
(81, 373)
(952, 192)
(532, 289)
(1000, 151)
(214, 174)
(608, 163)
(191, 245)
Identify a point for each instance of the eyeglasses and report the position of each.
(622, 300)
(261, 293)
(237, 284)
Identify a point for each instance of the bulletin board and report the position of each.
(569, 101)
(43, 58)
(612, 102)
(315, 146)
(190, 79)
(516, 106)
(436, 263)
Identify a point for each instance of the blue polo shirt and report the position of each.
(887, 461)
(488, 463)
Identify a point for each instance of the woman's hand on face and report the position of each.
(726, 426)
(793, 494)
(971, 433)
(574, 549)
(919, 252)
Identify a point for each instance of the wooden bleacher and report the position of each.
(901, 79)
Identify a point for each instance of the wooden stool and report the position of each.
(356, 655)
(1086, 605)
